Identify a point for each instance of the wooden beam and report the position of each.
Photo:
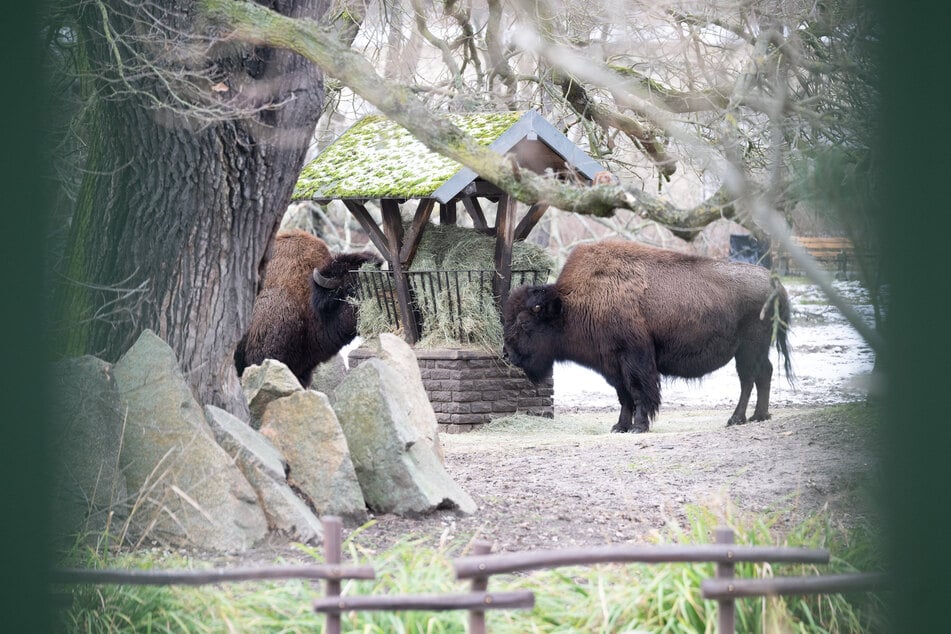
(411, 239)
(504, 237)
(369, 225)
(526, 224)
(481, 189)
(393, 228)
(475, 212)
(447, 213)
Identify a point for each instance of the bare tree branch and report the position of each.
(254, 24)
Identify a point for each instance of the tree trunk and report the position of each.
(176, 211)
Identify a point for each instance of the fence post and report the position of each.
(333, 533)
(726, 608)
(479, 584)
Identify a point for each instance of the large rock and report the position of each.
(264, 383)
(328, 375)
(265, 468)
(304, 427)
(398, 470)
(398, 354)
(86, 439)
(189, 490)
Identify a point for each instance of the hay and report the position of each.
(457, 308)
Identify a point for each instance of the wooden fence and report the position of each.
(835, 254)
(479, 567)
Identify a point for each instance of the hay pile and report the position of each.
(457, 308)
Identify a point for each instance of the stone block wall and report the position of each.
(468, 388)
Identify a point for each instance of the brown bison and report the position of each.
(302, 317)
(634, 313)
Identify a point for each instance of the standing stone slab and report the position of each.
(305, 429)
(264, 383)
(399, 471)
(398, 354)
(190, 492)
(328, 375)
(265, 468)
(86, 439)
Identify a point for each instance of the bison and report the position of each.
(633, 313)
(302, 317)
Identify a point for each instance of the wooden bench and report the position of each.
(832, 252)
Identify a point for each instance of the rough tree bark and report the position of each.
(176, 211)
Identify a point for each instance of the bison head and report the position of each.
(532, 322)
(332, 288)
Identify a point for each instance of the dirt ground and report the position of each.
(543, 483)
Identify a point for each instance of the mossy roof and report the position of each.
(377, 158)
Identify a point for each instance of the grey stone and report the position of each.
(328, 375)
(304, 427)
(86, 439)
(398, 354)
(238, 439)
(398, 470)
(264, 383)
(264, 467)
(190, 492)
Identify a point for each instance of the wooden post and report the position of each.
(504, 237)
(526, 224)
(479, 584)
(333, 539)
(393, 228)
(475, 212)
(726, 608)
(447, 213)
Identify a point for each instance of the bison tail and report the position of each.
(781, 330)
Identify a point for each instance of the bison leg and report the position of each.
(739, 414)
(639, 392)
(627, 412)
(763, 380)
(746, 371)
(753, 367)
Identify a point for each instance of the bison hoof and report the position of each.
(758, 417)
(736, 420)
(623, 429)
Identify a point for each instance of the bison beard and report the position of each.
(301, 316)
(633, 313)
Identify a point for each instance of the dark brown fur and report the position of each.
(634, 312)
(284, 325)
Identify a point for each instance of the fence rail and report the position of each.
(437, 294)
(482, 565)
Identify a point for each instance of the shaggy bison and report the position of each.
(634, 313)
(302, 317)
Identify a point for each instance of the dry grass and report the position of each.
(458, 309)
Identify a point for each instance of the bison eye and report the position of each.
(536, 308)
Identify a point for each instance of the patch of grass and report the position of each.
(596, 599)
(527, 424)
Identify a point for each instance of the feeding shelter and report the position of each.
(377, 159)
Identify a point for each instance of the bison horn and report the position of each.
(327, 282)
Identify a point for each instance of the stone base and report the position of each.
(468, 388)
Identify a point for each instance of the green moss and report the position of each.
(377, 158)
